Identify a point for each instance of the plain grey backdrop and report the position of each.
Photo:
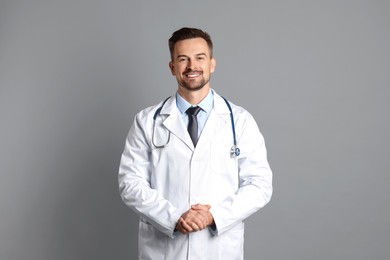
(315, 75)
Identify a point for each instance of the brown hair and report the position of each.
(189, 33)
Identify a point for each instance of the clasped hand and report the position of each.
(198, 217)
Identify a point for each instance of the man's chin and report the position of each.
(193, 87)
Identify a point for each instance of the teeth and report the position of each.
(192, 75)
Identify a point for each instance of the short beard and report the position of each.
(197, 87)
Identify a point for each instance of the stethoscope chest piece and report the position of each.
(235, 151)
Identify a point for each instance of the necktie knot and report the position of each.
(193, 111)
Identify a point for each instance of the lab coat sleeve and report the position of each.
(255, 179)
(134, 179)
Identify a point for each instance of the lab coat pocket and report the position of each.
(152, 242)
(221, 161)
(232, 243)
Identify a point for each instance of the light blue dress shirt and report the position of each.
(206, 105)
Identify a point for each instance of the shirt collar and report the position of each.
(206, 104)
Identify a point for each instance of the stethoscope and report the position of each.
(234, 151)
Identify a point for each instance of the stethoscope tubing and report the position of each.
(235, 151)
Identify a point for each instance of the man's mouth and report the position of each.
(193, 74)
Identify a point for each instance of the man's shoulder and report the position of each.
(236, 109)
(153, 110)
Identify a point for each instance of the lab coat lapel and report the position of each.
(218, 120)
(174, 123)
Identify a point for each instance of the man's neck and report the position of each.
(194, 97)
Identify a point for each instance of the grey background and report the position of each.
(315, 74)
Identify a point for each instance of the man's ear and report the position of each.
(213, 64)
(172, 68)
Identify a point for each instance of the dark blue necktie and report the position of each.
(193, 123)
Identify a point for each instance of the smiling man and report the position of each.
(181, 169)
(192, 64)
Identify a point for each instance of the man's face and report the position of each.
(192, 64)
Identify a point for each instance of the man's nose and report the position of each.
(191, 65)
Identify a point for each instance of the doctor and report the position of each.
(192, 191)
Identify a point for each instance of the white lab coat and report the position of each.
(160, 184)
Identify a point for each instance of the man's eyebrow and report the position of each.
(185, 56)
(181, 56)
(201, 54)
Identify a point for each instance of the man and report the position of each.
(179, 171)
